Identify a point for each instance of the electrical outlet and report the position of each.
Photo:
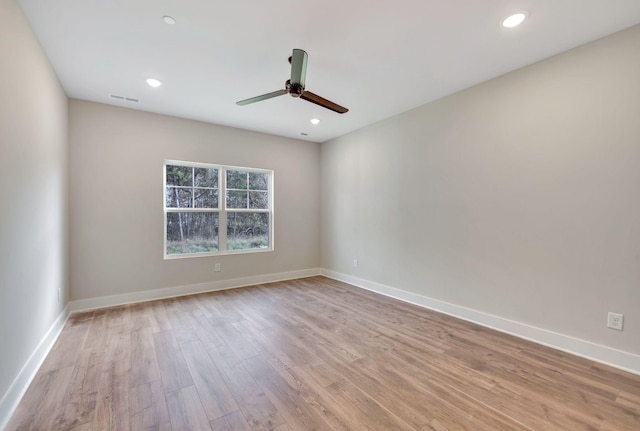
(615, 321)
(355, 263)
(59, 294)
(216, 268)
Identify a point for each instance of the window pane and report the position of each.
(189, 232)
(177, 197)
(179, 176)
(206, 198)
(247, 231)
(206, 177)
(259, 200)
(236, 180)
(258, 181)
(236, 199)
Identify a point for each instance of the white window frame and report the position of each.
(222, 209)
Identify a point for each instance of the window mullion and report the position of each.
(247, 203)
(222, 213)
(193, 187)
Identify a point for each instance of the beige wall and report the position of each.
(519, 198)
(33, 198)
(116, 162)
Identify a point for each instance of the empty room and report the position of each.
(291, 216)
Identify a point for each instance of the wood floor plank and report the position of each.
(179, 318)
(84, 427)
(359, 410)
(186, 411)
(214, 394)
(260, 412)
(256, 407)
(157, 315)
(320, 374)
(315, 393)
(307, 354)
(242, 346)
(516, 377)
(112, 409)
(79, 402)
(630, 400)
(286, 397)
(259, 308)
(118, 316)
(283, 350)
(138, 317)
(312, 330)
(144, 363)
(148, 407)
(43, 401)
(172, 365)
(520, 405)
(233, 421)
(97, 332)
(66, 349)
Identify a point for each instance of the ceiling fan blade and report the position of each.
(262, 97)
(314, 98)
(298, 67)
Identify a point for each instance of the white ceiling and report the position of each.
(378, 58)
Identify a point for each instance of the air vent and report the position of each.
(124, 99)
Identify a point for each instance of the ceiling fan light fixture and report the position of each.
(514, 20)
(154, 82)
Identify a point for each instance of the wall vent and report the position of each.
(124, 99)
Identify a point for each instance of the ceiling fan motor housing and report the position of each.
(295, 90)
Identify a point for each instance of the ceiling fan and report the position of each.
(295, 86)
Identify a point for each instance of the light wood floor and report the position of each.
(312, 354)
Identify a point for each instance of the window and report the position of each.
(216, 209)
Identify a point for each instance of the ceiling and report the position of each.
(378, 58)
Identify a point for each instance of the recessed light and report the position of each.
(514, 20)
(169, 20)
(154, 82)
(315, 121)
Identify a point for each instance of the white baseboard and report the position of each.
(16, 391)
(605, 355)
(190, 289)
